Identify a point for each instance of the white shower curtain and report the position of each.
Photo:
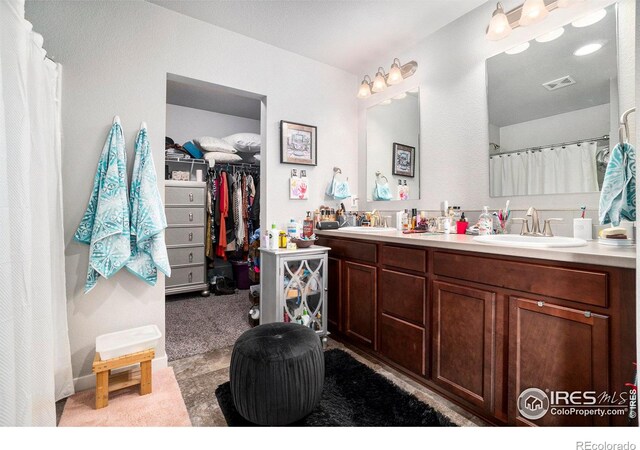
(553, 170)
(35, 362)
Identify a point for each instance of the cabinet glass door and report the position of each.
(303, 287)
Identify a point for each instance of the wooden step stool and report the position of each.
(105, 382)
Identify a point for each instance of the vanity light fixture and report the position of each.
(588, 49)
(499, 26)
(517, 49)
(551, 35)
(590, 19)
(397, 74)
(533, 11)
(529, 13)
(365, 87)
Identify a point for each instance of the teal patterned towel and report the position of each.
(618, 196)
(148, 221)
(105, 224)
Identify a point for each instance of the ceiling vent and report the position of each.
(559, 83)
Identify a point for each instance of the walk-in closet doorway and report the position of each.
(214, 176)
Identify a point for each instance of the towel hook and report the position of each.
(337, 170)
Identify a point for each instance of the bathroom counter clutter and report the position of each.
(592, 253)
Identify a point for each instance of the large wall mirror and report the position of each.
(393, 148)
(552, 105)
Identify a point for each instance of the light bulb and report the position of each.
(590, 19)
(533, 11)
(365, 89)
(395, 74)
(379, 83)
(551, 35)
(499, 26)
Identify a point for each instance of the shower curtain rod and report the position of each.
(540, 147)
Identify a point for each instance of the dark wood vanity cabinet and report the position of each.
(467, 343)
(555, 348)
(480, 329)
(360, 299)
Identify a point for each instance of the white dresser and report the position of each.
(185, 208)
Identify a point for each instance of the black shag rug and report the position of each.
(354, 396)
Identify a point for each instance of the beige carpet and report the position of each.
(164, 407)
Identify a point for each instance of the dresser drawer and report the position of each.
(583, 286)
(404, 258)
(184, 216)
(350, 249)
(186, 255)
(187, 236)
(185, 275)
(182, 196)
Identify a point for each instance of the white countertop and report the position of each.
(592, 253)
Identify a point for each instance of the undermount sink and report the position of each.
(516, 240)
(367, 229)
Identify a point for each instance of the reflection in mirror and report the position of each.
(551, 110)
(393, 132)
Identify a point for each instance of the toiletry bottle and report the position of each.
(405, 188)
(292, 229)
(414, 218)
(447, 225)
(307, 225)
(405, 220)
(273, 237)
(485, 223)
(400, 191)
(282, 240)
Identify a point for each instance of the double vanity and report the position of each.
(480, 323)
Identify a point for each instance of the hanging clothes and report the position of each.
(223, 212)
(238, 210)
(212, 192)
(230, 220)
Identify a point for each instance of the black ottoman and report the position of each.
(277, 373)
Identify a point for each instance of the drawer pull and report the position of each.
(540, 304)
(190, 236)
(191, 257)
(587, 314)
(190, 217)
(190, 277)
(190, 196)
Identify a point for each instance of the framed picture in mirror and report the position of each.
(403, 160)
(298, 144)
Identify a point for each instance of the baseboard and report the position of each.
(89, 381)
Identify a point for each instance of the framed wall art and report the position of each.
(404, 163)
(298, 144)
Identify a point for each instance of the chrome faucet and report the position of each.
(535, 221)
(535, 224)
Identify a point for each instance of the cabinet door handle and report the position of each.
(540, 304)
(190, 217)
(190, 196)
(190, 277)
(191, 257)
(190, 236)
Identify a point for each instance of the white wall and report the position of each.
(185, 124)
(398, 122)
(453, 106)
(116, 56)
(575, 125)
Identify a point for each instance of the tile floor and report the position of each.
(198, 377)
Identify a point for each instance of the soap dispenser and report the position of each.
(485, 223)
